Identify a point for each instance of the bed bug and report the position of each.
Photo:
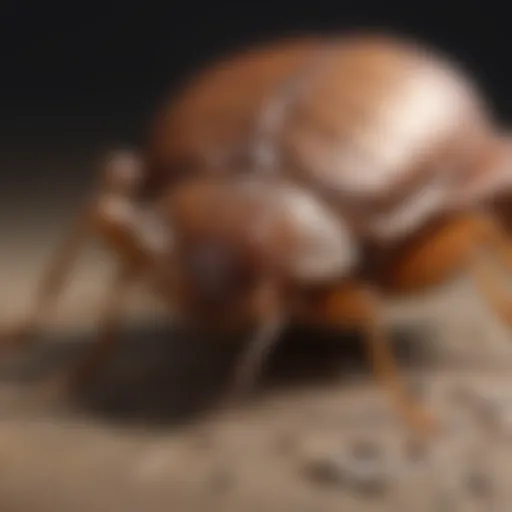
(488, 184)
(372, 134)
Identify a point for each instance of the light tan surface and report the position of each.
(116, 453)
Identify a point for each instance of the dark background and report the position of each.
(79, 77)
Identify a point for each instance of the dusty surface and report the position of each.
(134, 442)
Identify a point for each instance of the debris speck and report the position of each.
(366, 471)
(361, 469)
(479, 484)
(325, 470)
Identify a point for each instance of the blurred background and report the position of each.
(79, 78)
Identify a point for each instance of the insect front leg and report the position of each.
(119, 179)
(271, 321)
(110, 324)
(51, 286)
(60, 386)
(356, 305)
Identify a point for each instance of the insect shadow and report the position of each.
(163, 375)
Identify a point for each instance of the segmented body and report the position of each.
(384, 130)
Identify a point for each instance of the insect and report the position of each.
(374, 138)
(488, 185)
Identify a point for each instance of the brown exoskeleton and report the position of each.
(374, 137)
(231, 252)
(392, 135)
(235, 250)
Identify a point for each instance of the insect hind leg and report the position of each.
(457, 244)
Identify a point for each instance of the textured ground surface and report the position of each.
(319, 437)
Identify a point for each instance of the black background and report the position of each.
(88, 74)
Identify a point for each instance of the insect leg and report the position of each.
(360, 306)
(106, 340)
(458, 244)
(271, 324)
(119, 177)
(51, 285)
(109, 329)
(486, 274)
